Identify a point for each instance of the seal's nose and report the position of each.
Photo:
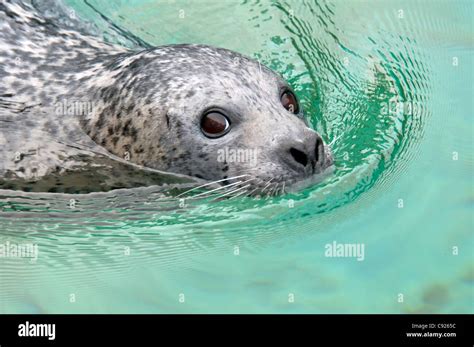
(310, 153)
(318, 151)
(299, 156)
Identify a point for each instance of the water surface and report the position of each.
(389, 83)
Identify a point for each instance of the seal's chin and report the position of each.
(279, 180)
(311, 181)
(268, 186)
(271, 185)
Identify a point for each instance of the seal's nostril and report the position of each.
(299, 156)
(319, 150)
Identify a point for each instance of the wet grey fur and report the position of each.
(71, 103)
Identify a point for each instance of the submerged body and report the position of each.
(73, 106)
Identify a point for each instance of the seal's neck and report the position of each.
(116, 118)
(76, 76)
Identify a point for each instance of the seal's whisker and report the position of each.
(214, 190)
(210, 183)
(246, 188)
(268, 184)
(233, 191)
(242, 192)
(203, 194)
(250, 193)
(275, 189)
(268, 192)
(283, 188)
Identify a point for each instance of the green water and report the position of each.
(391, 83)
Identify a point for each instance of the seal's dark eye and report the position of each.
(288, 100)
(214, 124)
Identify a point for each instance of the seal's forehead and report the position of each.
(212, 62)
(197, 69)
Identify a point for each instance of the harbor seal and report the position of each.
(72, 106)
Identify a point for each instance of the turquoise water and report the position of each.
(389, 83)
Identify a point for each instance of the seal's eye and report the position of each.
(214, 124)
(288, 100)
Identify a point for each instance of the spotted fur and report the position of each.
(67, 99)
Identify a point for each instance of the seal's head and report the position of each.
(210, 113)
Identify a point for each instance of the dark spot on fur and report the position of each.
(126, 128)
(134, 133)
(100, 122)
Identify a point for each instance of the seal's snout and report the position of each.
(310, 155)
(299, 156)
(318, 151)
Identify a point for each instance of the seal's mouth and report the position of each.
(310, 181)
(274, 186)
(266, 181)
(246, 184)
(278, 184)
